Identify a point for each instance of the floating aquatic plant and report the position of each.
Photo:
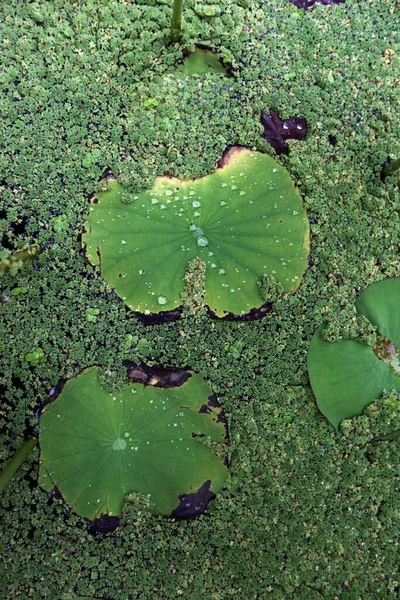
(245, 221)
(11, 262)
(203, 60)
(347, 375)
(96, 446)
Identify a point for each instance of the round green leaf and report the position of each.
(244, 221)
(96, 446)
(347, 375)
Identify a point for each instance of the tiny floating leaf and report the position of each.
(96, 447)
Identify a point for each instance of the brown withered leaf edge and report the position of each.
(310, 3)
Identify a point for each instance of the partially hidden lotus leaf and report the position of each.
(203, 60)
(245, 220)
(347, 375)
(96, 447)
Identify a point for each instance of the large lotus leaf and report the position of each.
(244, 220)
(96, 446)
(347, 375)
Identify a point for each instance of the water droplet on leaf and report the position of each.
(119, 444)
(202, 240)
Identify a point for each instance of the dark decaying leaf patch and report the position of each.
(310, 3)
(157, 376)
(104, 524)
(168, 316)
(213, 403)
(192, 505)
(277, 130)
(164, 316)
(253, 315)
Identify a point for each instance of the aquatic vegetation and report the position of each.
(11, 262)
(347, 375)
(61, 224)
(36, 357)
(308, 511)
(92, 314)
(98, 446)
(244, 221)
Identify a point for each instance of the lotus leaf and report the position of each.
(348, 375)
(244, 220)
(96, 446)
(203, 60)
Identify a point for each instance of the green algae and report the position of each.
(73, 80)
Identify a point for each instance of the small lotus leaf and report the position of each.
(348, 375)
(203, 60)
(96, 446)
(244, 220)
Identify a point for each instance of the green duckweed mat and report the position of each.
(92, 89)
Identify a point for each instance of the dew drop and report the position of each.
(196, 203)
(202, 241)
(119, 444)
(161, 300)
(197, 231)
